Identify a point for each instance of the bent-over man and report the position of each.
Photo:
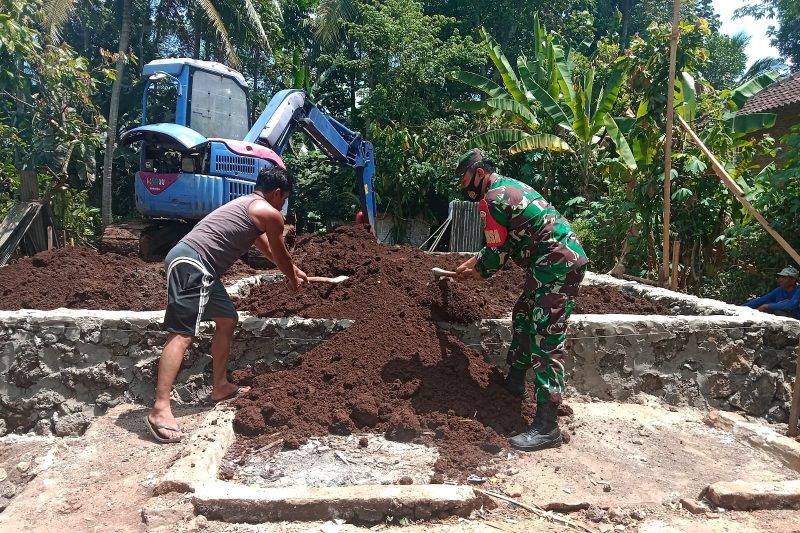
(195, 292)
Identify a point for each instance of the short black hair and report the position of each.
(486, 164)
(274, 177)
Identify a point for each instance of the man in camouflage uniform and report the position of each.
(520, 224)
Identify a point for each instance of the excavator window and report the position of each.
(218, 107)
(162, 101)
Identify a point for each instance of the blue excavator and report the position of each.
(199, 150)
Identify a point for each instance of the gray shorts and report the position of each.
(194, 293)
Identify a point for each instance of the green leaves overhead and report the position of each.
(752, 87)
(523, 142)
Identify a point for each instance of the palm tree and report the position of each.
(328, 18)
(764, 65)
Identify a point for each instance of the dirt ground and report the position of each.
(649, 454)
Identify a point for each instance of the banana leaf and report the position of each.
(689, 96)
(476, 81)
(503, 67)
(588, 89)
(580, 122)
(744, 124)
(498, 136)
(752, 87)
(609, 95)
(542, 141)
(512, 106)
(551, 107)
(623, 149)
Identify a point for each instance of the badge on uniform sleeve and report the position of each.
(494, 232)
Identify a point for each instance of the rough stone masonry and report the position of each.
(58, 369)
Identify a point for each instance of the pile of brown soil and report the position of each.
(238, 270)
(393, 370)
(82, 278)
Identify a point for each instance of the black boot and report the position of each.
(542, 433)
(515, 383)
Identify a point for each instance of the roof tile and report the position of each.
(779, 94)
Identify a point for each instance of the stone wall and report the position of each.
(729, 362)
(60, 368)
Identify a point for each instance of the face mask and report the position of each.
(473, 192)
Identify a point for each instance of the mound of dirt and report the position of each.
(393, 370)
(82, 278)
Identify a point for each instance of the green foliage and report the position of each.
(727, 59)
(784, 34)
(324, 193)
(48, 121)
(548, 89)
(396, 63)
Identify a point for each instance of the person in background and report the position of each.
(784, 300)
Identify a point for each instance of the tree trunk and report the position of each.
(198, 30)
(627, 7)
(113, 112)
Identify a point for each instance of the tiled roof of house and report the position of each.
(779, 94)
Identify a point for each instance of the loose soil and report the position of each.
(81, 278)
(393, 370)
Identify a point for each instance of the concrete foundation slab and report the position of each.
(202, 454)
(367, 503)
(749, 496)
(784, 449)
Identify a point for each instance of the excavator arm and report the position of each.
(290, 110)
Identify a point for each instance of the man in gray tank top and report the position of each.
(195, 267)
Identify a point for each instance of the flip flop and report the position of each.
(230, 396)
(155, 431)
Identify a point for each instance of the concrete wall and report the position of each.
(727, 362)
(59, 368)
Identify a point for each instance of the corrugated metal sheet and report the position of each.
(466, 231)
(14, 226)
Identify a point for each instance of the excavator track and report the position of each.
(149, 239)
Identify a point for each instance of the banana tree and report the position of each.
(576, 111)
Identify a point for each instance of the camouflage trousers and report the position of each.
(539, 321)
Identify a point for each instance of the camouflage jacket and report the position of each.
(519, 223)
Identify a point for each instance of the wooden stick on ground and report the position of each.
(536, 510)
(795, 411)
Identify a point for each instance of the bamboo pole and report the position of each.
(673, 52)
(795, 411)
(738, 192)
(676, 250)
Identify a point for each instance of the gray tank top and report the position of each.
(225, 234)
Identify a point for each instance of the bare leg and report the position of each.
(168, 366)
(220, 351)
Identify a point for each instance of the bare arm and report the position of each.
(271, 242)
(263, 245)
